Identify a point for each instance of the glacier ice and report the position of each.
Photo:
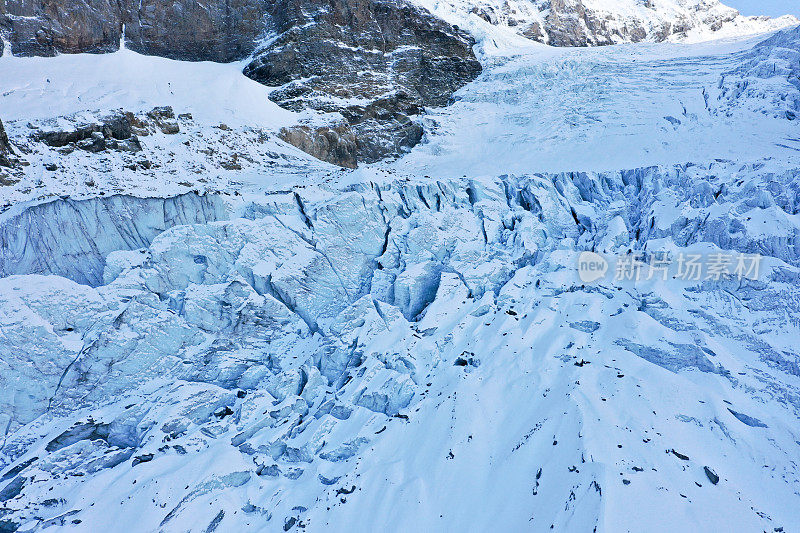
(279, 344)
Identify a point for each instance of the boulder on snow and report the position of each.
(334, 144)
(711, 475)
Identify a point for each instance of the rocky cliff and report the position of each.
(6, 153)
(49, 27)
(226, 30)
(376, 62)
(220, 30)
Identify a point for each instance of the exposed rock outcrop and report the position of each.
(219, 30)
(114, 132)
(119, 130)
(6, 153)
(51, 26)
(334, 143)
(376, 62)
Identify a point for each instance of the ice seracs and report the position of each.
(293, 351)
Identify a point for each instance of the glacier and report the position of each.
(285, 350)
(407, 345)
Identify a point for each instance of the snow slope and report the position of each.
(232, 121)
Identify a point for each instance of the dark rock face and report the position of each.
(217, 30)
(47, 27)
(711, 475)
(377, 136)
(6, 153)
(376, 62)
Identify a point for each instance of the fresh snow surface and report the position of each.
(60, 92)
(37, 87)
(407, 346)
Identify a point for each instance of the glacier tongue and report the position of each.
(294, 359)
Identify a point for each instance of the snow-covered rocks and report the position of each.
(604, 22)
(377, 63)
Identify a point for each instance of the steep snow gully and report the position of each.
(268, 363)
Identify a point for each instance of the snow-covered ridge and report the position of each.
(604, 22)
